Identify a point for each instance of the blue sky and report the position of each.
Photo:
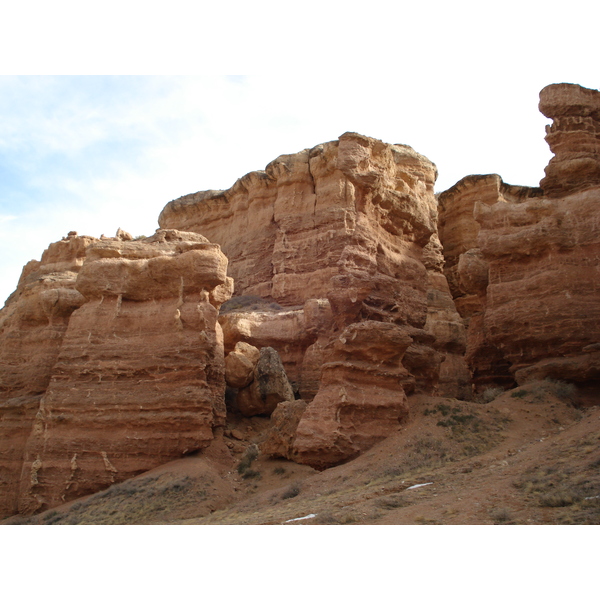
(93, 152)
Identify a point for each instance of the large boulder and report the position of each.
(269, 387)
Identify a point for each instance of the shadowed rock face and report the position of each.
(137, 377)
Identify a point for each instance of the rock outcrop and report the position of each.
(523, 263)
(32, 327)
(354, 288)
(336, 235)
(345, 225)
(361, 398)
(137, 377)
(573, 137)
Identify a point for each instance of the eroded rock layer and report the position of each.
(139, 376)
(361, 398)
(32, 326)
(573, 137)
(344, 224)
(525, 279)
(337, 234)
(352, 214)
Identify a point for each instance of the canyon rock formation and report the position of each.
(523, 263)
(336, 235)
(136, 376)
(573, 137)
(323, 291)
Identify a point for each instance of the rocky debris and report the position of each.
(282, 430)
(240, 364)
(573, 137)
(361, 398)
(123, 235)
(284, 330)
(239, 370)
(269, 387)
(137, 377)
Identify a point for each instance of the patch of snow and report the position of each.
(412, 487)
(311, 516)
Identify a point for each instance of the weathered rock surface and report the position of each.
(361, 399)
(346, 221)
(452, 378)
(138, 377)
(573, 137)
(355, 211)
(32, 326)
(522, 263)
(269, 387)
(337, 234)
(282, 432)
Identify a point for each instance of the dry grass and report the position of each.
(565, 486)
(137, 501)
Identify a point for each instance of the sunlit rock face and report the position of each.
(137, 376)
(573, 137)
(337, 235)
(523, 263)
(32, 327)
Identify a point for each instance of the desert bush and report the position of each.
(488, 395)
(520, 393)
(567, 392)
(502, 516)
(559, 498)
(329, 518)
(250, 455)
(291, 492)
(393, 501)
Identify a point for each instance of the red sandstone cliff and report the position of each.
(134, 377)
(114, 353)
(523, 263)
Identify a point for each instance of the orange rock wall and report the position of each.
(138, 376)
(32, 326)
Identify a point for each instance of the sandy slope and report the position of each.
(527, 458)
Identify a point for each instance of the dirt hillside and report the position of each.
(530, 456)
